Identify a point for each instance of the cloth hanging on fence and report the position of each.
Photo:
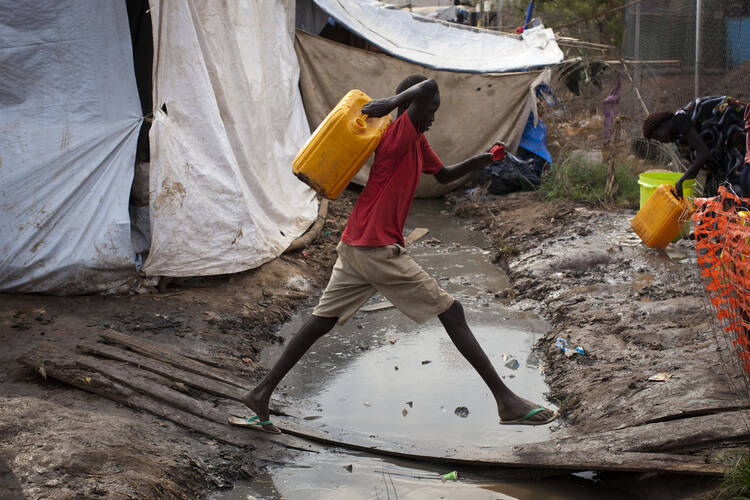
(722, 243)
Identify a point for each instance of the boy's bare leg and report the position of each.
(257, 399)
(509, 406)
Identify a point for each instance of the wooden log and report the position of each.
(161, 353)
(209, 385)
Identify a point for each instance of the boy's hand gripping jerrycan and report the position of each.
(339, 147)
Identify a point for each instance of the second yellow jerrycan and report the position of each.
(658, 222)
(339, 146)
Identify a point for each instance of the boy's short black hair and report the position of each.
(653, 121)
(407, 82)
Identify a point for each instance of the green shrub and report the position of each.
(736, 482)
(581, 180)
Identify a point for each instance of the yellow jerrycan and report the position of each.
(339, 147)
(657, 223)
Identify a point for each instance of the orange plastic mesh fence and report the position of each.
(722, 242)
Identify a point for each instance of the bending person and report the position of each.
(709, 133)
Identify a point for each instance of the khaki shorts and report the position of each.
(360, 272)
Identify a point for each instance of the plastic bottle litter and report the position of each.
(569, 351)
(513, 364)
(451, 476)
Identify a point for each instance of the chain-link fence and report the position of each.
(657, 69)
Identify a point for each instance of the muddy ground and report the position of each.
(635, 312)
(60, 442)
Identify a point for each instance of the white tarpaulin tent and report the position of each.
(439, 45)
(223, 197)
(228, 122)
(69, 120)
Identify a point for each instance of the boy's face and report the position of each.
(431, 109)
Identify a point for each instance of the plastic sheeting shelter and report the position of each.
(69, 115)
(476, 109)
(486, 79)
(223, 197)
(229, 120)
(433, 44)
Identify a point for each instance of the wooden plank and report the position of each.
(62, 365)
(549, 457)
(378, 306)
(151, 385)
(161, 353)
(631, 449)
(415, 235)
(209, 385)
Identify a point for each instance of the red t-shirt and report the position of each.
(380, 212)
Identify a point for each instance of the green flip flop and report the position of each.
(524, 420)
(254, 423)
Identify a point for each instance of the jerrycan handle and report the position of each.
(359, 124)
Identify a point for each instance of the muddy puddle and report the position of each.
(387, 378)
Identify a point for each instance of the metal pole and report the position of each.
(499, 14)
(697, 46)
(637, 47)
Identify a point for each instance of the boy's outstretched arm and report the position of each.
(416, 98)
(453, 172)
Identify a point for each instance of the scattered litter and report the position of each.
(250, 497)
(568, 351)
(660, 377)
(513, 364)
(367, 404)
(392, 341)
(349, 467)
(43, 372)
(404, 412)
(461, 411)
(432, 241)
(451, 476)
(426, 362)
(410, 403)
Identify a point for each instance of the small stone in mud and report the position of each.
(395, 368)
(426, 362)
(461, 411)
(410, 403)
(404, 412)
(349, 467)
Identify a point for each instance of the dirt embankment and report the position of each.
(60, 442)
(634, 310)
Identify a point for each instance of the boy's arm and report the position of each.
(416, 97)
(453, 172)
(702, 154)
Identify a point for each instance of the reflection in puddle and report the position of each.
(384, 376)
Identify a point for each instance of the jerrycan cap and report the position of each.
(359, 124)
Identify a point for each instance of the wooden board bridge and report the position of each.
(192, 393)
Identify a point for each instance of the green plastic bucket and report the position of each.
(649, 181)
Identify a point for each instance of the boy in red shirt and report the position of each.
(372, 257)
